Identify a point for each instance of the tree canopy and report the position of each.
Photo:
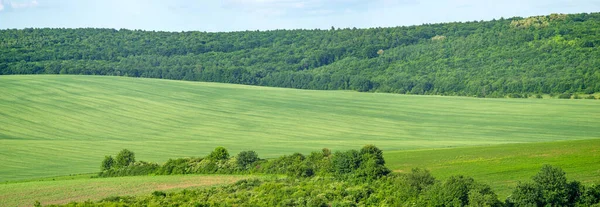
(551, 54)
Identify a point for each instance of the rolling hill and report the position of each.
(58, 125)
(555, 54)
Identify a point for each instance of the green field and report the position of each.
(60, 125)
(503, 166)
(66, 189)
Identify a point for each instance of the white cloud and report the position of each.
(14, 4)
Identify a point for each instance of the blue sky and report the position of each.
(237, 15)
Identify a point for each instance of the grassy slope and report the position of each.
(503, 166)
(57, 125)
(81, 188)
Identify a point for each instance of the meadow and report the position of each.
(60, 125)
(503, 166)
(65, 189)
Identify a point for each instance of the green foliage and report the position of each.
(420, 179)
(481, 195)
(550, 188)
(300, 171)
(124, 158)
(526, 194)
(220, 153)
(452, 192)
(346, 162)
(107, 163)
(553, 184)
(565, 96)
(372, 152)
(246, 158)
(135, 169)
(541, 54)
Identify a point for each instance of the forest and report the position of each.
(556, 54)
(343, 178)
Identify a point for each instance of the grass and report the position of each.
(503, 166)
(66, 189)
(60, 125)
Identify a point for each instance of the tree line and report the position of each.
(521, 57)
(366, 164)
(346, 178)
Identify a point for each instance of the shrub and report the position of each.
(174, 167)
(220, 153)
(346, 162)
(246, 158)
(525, 194)
(419, 179)
(107, 163)
(125, 158)
(565, 96)
(300, 171)
(553, 185)
(515, 95)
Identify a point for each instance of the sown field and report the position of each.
(503, 166)
(62, 190)
(59, 125)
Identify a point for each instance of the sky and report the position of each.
(241, 15)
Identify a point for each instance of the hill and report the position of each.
(554, 54)
(58, 125)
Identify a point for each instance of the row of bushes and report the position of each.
(368, 163)
(417, 188)
(560, 96)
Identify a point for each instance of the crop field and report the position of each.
(60, 125)
(503, 166)
(66, 189)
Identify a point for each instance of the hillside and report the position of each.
(58, 125)
(554, 54)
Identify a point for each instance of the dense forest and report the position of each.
(554, 54)
(343, 178)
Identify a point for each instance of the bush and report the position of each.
(136, 169)
(107, 163)
(346, 162)
(220, 153)
(525, 194)
(553, 184)
(300, 171)
(246, 158)
(174, 167)
(419, 179)
(565, 96)
(515, 95)
(125, 158)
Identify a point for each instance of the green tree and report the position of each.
(553, 184)
(220, 153)
(245, 158)
(420, 179)
(107, 163)
(346, 162)
(372, 152)
(124, 158)
(526, 194)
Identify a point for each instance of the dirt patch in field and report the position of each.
(96, 189)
